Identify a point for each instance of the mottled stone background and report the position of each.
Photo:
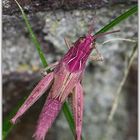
(52, 21)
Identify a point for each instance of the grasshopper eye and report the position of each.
(81, 39)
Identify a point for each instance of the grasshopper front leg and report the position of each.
(51, 67)
(98, 56)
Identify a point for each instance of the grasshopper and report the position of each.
(64, 80)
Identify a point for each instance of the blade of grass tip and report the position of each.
(119, 19)
(33, 37)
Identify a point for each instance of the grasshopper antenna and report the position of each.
(91, 27)
(103, 34)
(93, 23)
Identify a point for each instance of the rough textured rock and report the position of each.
(32, 6)
(101, 79)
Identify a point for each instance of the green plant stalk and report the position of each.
(7, 126)
(33, 37)
(68, 115)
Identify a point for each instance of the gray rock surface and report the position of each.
(101, 79)
(10, 8)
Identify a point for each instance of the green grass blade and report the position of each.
(119, 19)
(33, 37)
(68, 116)
(7, 126)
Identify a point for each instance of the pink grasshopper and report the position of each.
(64, 80)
